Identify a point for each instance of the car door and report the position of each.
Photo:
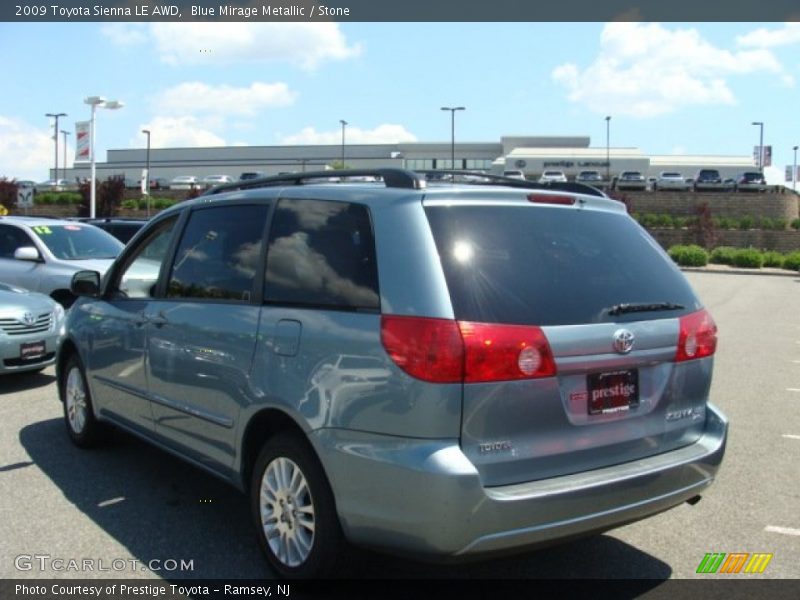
(202, 333)
(116, 356)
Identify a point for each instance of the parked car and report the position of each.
(709, 180)
(548, 176)
(53, 185)
(121, 228)
(589, 177)
(212, 180)
(631, 180)
(42, 254)
(184, 182)
(750, 181)
(159, 183)
(31, 328)
(441, 401)
(251, 175)
(671, 181)
(514, 174)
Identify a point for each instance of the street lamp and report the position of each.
(608, 149)
(344, 124)
(760, 145)
(794, 170)
(94, 102)
(65, 134)
(147, 172)
(453, 110)
(55, 137)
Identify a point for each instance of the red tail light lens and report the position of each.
(444, 351)
(428, 349)
(505, 352)
(551, 199)
(697, 338)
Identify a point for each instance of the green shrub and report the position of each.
(796, 224)
(746, 223)
(46, 198)
(130, 204)
(681, 222)
(748, 258)
(161, 203)
(773, 260)
(649, 220)
(779, 224)
(791, 261)
(665, 221)
(722, 255)
(727, 223)
(689, 256)
(766, 223)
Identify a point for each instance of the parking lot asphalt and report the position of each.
(129, 502)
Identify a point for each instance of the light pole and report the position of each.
(608, 149)
(794, 170)
(65, 134)
(94, 102)
(453, 110)
(55, 137)
(760, 145)
(147, 172)
(344, 124)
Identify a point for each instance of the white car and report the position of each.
(212, 180)
(514, 174)
(631, 180)
(183, 182)
(671, 180)
(549, 176)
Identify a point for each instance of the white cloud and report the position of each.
(197, 97)
(644, 70)
(26, 152)
(186, 131)
(383, 134)
(306, 45)
(770, 38)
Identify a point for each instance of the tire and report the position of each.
(83, 429)
(294, 510)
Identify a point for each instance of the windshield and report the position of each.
(77, 241)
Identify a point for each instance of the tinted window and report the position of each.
(551, 266)
(322, 254)
(12, 238)
(219, 253)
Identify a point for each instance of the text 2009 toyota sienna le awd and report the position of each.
(447, 370)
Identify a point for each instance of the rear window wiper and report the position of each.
(621, 309)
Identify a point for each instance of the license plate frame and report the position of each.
(30, 351)
(612, 391)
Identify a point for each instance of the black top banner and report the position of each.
(400, 10)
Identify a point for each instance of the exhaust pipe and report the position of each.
(694, 500)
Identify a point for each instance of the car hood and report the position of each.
(101, 265)
(14, 304)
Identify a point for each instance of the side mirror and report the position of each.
(27, 253)
(86, 283)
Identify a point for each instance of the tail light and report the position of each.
(445, 351)
(560, 199)
(697, 338)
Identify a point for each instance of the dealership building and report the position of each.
(530, 154)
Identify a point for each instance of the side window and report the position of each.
(322, 254)
(12, 238)
(140, 274)
(219, 253)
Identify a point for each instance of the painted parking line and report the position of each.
(782, 530)
(790, 436)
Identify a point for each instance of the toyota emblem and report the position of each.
(623, 341)
(29, 319)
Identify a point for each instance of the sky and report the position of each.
(670, 88)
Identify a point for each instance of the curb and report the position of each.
(724, 270)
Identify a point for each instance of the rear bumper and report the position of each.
(425, 497)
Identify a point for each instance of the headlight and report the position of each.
(58, 317)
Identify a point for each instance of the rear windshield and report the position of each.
(78, 242)
(552, 266)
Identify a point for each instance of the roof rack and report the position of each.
(479, 178)
(392, 178)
